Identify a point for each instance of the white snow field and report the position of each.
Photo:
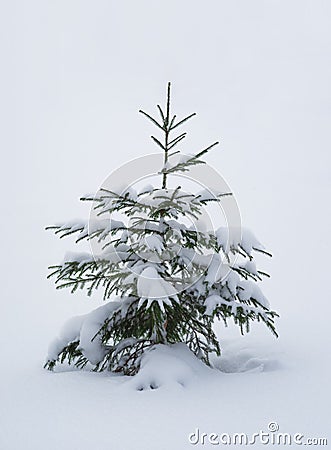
(74, 74)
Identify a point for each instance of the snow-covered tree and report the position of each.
(163, 280)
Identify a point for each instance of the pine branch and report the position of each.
(194, 160)
(161, 114)
(182, 121)
(158, 142)
(176, 141)
(152, 119)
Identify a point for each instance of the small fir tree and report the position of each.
(163, 281)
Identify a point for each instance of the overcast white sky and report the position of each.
(73, 76)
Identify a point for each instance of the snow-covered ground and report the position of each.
(74, 76)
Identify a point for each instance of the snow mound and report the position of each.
(85, 329)
(153, 287)
(237, 359)
(165, 365)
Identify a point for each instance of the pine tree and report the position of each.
(163, 281)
